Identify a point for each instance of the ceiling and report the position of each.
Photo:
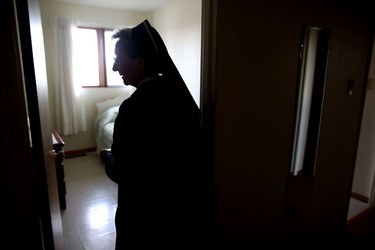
(133, 5)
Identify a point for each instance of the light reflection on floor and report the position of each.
(100, 214)
(88, 220)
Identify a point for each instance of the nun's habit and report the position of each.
(157, 159)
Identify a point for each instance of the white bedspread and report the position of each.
(104, 122)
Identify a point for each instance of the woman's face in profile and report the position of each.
(127, 67)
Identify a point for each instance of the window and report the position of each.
(93, 53)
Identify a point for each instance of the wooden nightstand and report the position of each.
(58, 145)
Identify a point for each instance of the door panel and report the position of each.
(17, 186)
(249, 103)
(35, 80)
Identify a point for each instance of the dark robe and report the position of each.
(156, 160)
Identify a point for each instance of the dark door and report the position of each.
(29, 188)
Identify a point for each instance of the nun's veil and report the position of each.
(146, 37)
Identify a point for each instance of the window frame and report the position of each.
(101, 58)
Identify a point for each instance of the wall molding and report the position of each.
(359, 197)
(79, 152)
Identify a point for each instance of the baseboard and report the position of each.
(359, 197)
(79, 152)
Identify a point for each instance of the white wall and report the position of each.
(363, 181)
(365, 162)
(184, 46)
(179, 24)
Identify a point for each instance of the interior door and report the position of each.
(35, 83)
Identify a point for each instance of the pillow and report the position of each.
(102, 106)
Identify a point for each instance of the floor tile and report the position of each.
(91, 197)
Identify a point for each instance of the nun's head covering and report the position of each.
(149, 45)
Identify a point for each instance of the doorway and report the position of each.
(364, 172)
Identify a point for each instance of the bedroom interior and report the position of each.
(251, 200)
(179, 21)
(106, 107)
(182, 36)
(86, 141)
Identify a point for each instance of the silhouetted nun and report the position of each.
(156, 155)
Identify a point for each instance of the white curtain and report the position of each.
(69, 109)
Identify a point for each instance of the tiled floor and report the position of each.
(88, 220)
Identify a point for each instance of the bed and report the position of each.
(104, 121)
